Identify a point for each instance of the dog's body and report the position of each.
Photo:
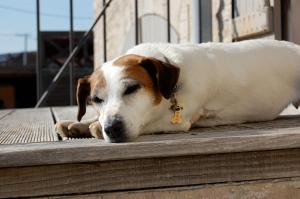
(218, 83)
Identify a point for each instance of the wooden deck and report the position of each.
(241, 160)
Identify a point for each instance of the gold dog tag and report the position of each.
(176, 119)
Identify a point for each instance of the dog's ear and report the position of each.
(163, 75)
(82, 94)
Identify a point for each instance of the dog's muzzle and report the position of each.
(115, 129)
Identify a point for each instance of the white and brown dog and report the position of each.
(172, 87)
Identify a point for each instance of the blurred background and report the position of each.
(37, 36)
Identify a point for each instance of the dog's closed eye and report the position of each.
(131, 89)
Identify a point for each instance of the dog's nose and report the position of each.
(114, 129)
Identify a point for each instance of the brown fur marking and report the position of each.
(97, 80)
(135, 71)
(85, 87)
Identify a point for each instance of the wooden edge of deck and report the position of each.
(87, 178)
(275, 189)
(5, 112)
(80, 151)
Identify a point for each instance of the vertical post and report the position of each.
(25, 55)
(71, 72)
(104, 34)
(233, 6)
(196, 21)
(206, 21)
(38, 53)
(203, 24)
(169, 21)
(136, 21)
(278, 19)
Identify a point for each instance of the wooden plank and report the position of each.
(252, 137)
(4, 113)
(148, 173)
(267, 189)
(253, 24)
(27, 125)
(70, 113)
(278, 134)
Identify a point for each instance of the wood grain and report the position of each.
(70, 113)
(179, 145)
(5, 112)
(266, 189)
(27, 125)
(245, 152)
(253, 24)
(148, 173)
(279, 134)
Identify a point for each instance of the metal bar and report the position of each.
(200, 21)
(25, 55)
(38, 53)
(104, 35)
(196, 21)
(71, 72)
(278, 19)
(74, 52)
(205, 21)
(233, 6)
(285, 6)
(169, 21)
(136, 16)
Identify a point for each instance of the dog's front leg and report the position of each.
(71, 129)
(95, 129)
(166, 126)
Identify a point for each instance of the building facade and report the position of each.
(193, 21)
(120, 17)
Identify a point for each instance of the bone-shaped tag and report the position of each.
(176, 119)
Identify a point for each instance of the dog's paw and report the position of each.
(71, 129)
(95, 129)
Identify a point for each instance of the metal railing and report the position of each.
(73, 51)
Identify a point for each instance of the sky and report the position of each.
(18, 17)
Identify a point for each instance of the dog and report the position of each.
(173, 87)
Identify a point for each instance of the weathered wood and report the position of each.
(267, 189)
(150, 146)
(148, 173)
(253, 151)
(27, 125)
(70, 113)
(4, 113)
(253, 24)
(279, 134)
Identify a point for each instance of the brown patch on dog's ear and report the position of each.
(83, 91)
(164, 75)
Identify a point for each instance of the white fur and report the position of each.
(222, 83)
(128, 107)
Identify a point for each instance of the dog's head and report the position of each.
(125, 93)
